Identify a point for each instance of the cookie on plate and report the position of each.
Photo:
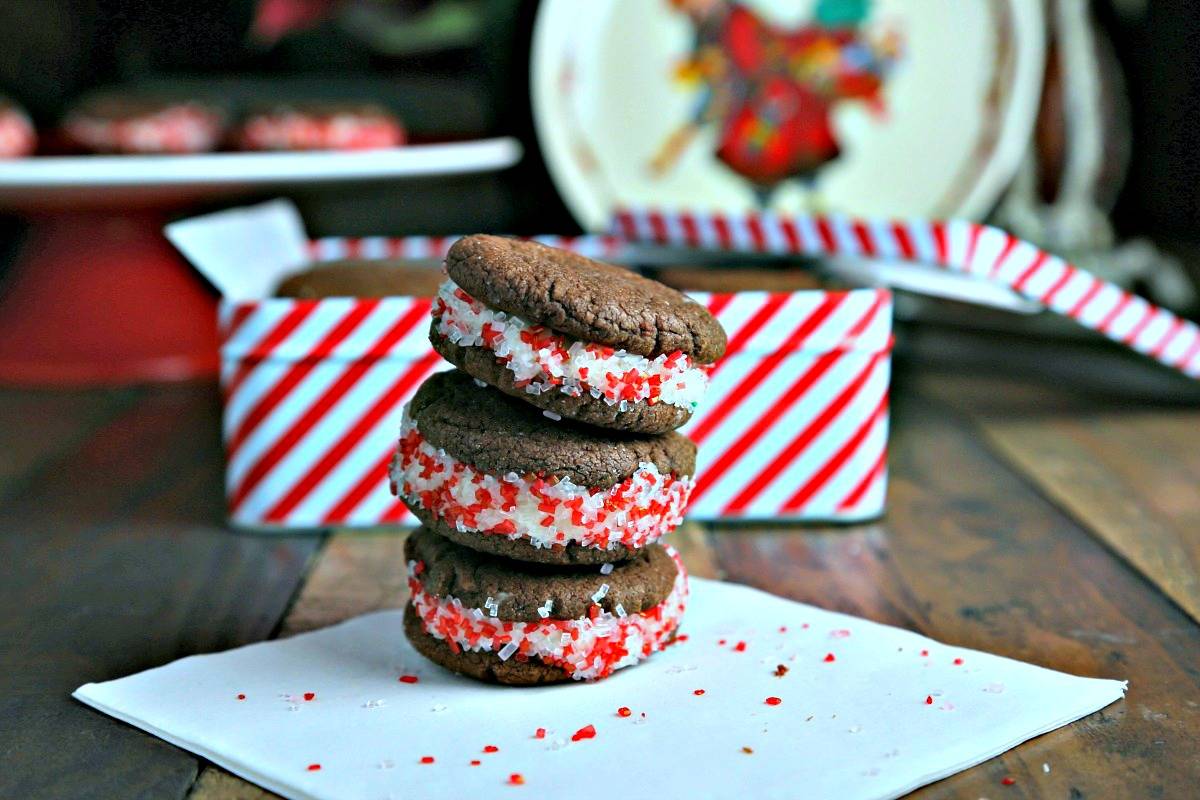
(586, 340)
(321, 126)
(114, 123)
(526, 624)
(351, 278)
(494, 474)
(17, 135)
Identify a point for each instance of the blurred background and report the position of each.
(1069, 123)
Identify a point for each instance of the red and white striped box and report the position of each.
(794, 425)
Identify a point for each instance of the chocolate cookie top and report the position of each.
(582, 298)
(499, 434)
(520, 589)
(360, 279)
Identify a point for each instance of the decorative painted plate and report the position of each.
(873, 107)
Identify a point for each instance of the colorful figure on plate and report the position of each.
(770, 91)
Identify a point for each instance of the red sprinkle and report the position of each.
(310, 696)
(313, 767)
(475, 762)
(586, 732)
(740, 647)
(540, 733)
(1008, 780)
(783, 628)
(491, 748)
(720, 642)
(747, 750)
(830, 658)
(958, 662)
(516, 779)
(426, 759)
(683, 637)
(241, 697)
(780, 671)
(773, 701)
(409, 679)
(698, 692)
(924, 653)
(623, 711)
(928, 699)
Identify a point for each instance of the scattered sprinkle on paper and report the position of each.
(586, 732)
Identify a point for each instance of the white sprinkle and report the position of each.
(479, 383)
(565, 639)
(994, 688)
(1045, 768)
(374, 704)
(606, 569)
(476, 613)
(437, 708)
(552, 415)
(854, 728)
(600, 593)
(387, 763)
(507, 651)
(620, 611)
(544, 610)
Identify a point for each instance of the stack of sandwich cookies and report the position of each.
(542, 504)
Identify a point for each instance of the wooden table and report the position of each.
(1044, 505)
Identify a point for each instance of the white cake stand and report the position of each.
(96, 295)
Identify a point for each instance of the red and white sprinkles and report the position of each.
(588, 648)
(546, 512)
(543, 361)
(299, 129)
(178, 128)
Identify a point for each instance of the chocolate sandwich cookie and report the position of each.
(495, 474)
(17, 135)
(351, 278)
(321, 126)
(113, 123)
(525, 624)
(586, 340)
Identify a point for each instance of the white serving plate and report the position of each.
(45, 179)
(959, 104)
